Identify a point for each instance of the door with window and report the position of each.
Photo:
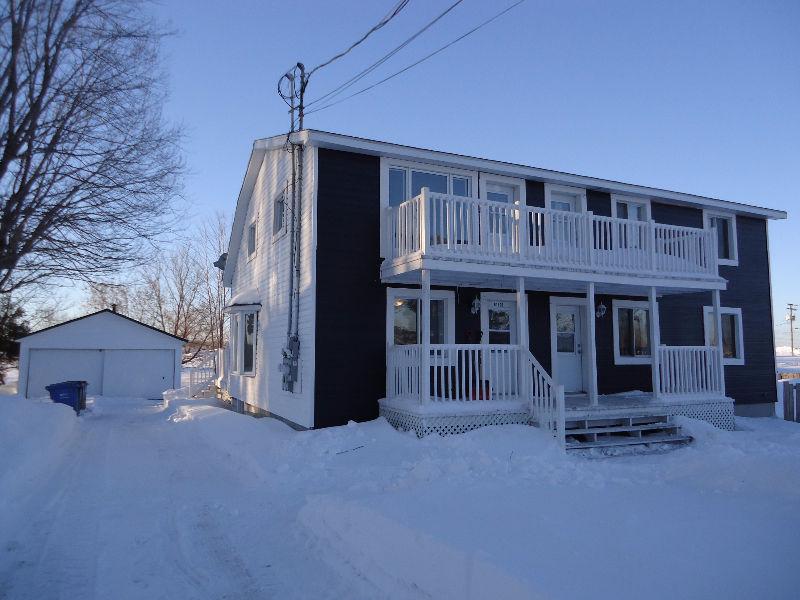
(567, 329)
(499, 328)
(564, 228)
(502, 217)
(630, 232)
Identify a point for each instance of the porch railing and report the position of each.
(445, 226)
(689, 371)
(462, 373)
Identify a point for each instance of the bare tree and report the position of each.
(89, 170)
(214, 238)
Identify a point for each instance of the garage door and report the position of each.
(138, 373)
(52, 366)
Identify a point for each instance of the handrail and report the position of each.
(547, 399)
(474, 229)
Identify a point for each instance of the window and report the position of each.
(631, 332)
(406, 180)
(564, 198)
(244, 336)
(632, 209)
(251, 240)
(279, 213)
(732, 336)
(404, 316)
(725, 226)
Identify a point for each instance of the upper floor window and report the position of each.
(564, 198)
(406, 181)
(631, 209)
(732, 337)
(251, 240)
(631, 332)
(279, 213)
(725, 227)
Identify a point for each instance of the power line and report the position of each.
(339, 89)
(421, 60)
(391, 15)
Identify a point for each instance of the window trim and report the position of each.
(579, 193)
(631, 200)
(253, 224)
(708, 314)
(393, 293)
(630, 360)
(237, 341)
(732, 237)
(486, 179)
(284, 228)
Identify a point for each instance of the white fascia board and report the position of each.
(338, 141)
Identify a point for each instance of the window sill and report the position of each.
(633, 360)
(733, 362)
(276, 237)
(238, 374)
(728, 262)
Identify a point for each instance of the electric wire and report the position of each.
(353, 80)
(421, 60)
(391, 15)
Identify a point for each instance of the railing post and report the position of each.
(651, 225)
(425, 342)
(423, 221)
(589, 229)
(524, 345)
(655, 342)
(560, 416)
(592, 346)
(718, 340)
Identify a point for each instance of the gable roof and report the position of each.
(338, 141)
(105, 310)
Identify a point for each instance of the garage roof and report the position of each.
(105, 310)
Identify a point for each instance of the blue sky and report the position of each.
(700, 97)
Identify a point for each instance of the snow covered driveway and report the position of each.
(137, 500)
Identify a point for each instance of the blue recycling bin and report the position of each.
(71, 393)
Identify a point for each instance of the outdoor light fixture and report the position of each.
(601, 311)
(476, 305)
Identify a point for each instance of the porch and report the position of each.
(454, 387)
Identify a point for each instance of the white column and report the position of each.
(718, 341)
(425, 334)
(655, 339)
(591, 347)
(522, 337)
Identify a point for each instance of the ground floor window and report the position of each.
(243, 340)
(732, 337)
(404, 316)
(631, 332)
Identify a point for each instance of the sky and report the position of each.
(698, 97)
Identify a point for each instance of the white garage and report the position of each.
(116, 355)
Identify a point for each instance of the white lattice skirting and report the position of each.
(719, 414)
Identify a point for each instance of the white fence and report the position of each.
(689, 371)
(201, 371)
(480, 230)
(460, 373)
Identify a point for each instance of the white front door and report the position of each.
(501, 216)
(499, 327)
(568, 330)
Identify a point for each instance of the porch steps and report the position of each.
(631, 430)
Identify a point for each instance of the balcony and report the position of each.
(540, 242)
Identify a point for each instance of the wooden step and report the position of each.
(630, 441)
(622, 428)
(626, 421)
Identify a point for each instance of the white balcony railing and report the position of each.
(689, 371)
(443, 226)
(461, 373)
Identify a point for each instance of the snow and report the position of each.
(138, 499)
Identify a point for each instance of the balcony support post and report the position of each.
(523, 336)
(655, 341)
(425, 342)
(718, 341)
(424, 234)
(591, 346)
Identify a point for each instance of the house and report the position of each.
(446, 291)
(116, 356)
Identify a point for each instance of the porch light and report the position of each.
(476, 305)
(601, 311)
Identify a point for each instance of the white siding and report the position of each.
(268, 274)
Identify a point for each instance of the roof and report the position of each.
(338, 141)
(105, 310)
